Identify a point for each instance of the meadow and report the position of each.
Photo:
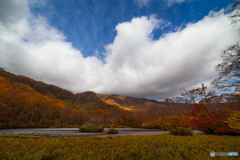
(163, 146)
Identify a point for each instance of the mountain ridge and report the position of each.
(88, 100)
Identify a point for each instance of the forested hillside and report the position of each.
(25, 102)
(22, 106)
(29, 103)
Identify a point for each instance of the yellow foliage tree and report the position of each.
(234, 120)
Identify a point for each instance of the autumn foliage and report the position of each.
(211, 123)
(234, 120)
(22, 106)
(25, 102)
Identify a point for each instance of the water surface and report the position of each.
(74, 132)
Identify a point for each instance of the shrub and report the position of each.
(113, 125)
(181, 131)
(180, 122)
(122, 127)
(91, 127)
(156, 124)
(165, 128)
(112, 131)
(147, 126)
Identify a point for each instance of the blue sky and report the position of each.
(90, 24)
(141, 48)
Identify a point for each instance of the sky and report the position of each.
(141, 48)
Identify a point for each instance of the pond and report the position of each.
(74, 132)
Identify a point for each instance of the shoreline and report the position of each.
(74, 132)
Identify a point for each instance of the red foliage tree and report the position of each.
(210, 123)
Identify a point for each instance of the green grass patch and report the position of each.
(163, 146)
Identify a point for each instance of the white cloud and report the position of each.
(37, 3)
(135, 64)
(142, 3)
(171, 2)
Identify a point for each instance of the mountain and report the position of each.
(25, 102)
(87, 100)
(46, 89)
(129, 103)
(90, 101)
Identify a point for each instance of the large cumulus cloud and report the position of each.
(135, 64)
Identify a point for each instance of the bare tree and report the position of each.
(196, 94)
(235, 18)
(229, 68)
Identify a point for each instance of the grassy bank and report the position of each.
(162, 146)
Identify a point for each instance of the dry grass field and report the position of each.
(162, 146)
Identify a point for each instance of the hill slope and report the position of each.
(129, 103)
(88, 100)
